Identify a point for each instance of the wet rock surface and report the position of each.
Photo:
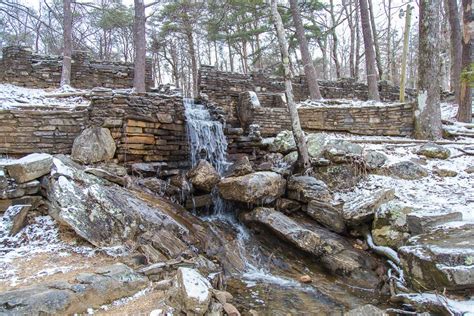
(203, 176)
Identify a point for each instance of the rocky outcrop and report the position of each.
(407, 170)
(203, 176)
(334, 252)
(87, 290)
(441, 258)
(340, 176)
(307, 188)
(389, 227)
(93, 145)
(423, 220)
(432, 150)
(30, 167)
(240, 167)
(109, 215)
(256, 188)
(193, 292)
(339, 151)
(361, 208)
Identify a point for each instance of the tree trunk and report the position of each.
(303, 156)
(67, 38)
(369, 52)
(428, 112)
(337, 65)
(465, 104)
(389, 41)
(309, 69)
(194, 68)
(357, 47)
(406, 38)
(456, 47)
(375, 39)
(139, 42)
(350, 21)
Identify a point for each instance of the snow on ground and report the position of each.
(12, 96)
(432, 192)
(343, 103)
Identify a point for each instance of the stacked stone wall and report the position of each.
(21, 67)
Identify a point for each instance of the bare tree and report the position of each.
(465, 105)
(67, 42)
(139, 41)
(428, 112)
(303, 156)
(375, 39)
(309, 69)
(406, 38)
(456, 46)
(369, 52)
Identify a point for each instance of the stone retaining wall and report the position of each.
(224, 88)
(146, 128)
(21, 67)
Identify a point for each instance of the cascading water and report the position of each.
(206, 136)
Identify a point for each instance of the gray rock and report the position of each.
(307, 188)
(3, 178)
(340, 176)
(88, 290)
(240, 167)
(432, 150)
(291, 158)
(407, 170)
(334, 252)
(255, 188)
(287, 206)
(193, 291)
(15, 191)
(423, 220)
(34, 200)
(445, 172)
(390, 227)
(199, 201)
(315, 144)
(366, 310)
(340, 151)
(94, 144)
(14, 218)
(374, 159)
(30, 167)
(150, 169)
(441, 258)
(203, 176)
(283, 143)
(110, 215)
(326, 214)
(361, 208)
(107, 176)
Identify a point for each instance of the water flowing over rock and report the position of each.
(334, 252)
(256, 188)
(441, 258)
(87, 290)
(203, 176)
(432, 150)
(206, 136)
(30, 167)
(94, 144)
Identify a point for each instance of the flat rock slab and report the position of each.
(15, 191)
(87, 290)
(30, 167)
(441, 258)
(362, 208)
(422, 221)
(306, 188)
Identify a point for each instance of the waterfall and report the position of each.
(205, 136)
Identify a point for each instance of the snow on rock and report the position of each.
(12, 96)
(344, 103)
(194, 291)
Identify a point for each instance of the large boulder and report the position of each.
(390, 227)
(340, 151)
(283, 143)
(423, 220)
(307, 188)
(316, 143)
(193, 292)
(334, 252)
(407, 170)
(203, 176)
(432, 150)
(109, 215)
(94, 144)
(240, 167)
(30, 167)
(361, 207)
(441, 258)
(326, 214)
(256, 188)
(374, 159)
(88, 290)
